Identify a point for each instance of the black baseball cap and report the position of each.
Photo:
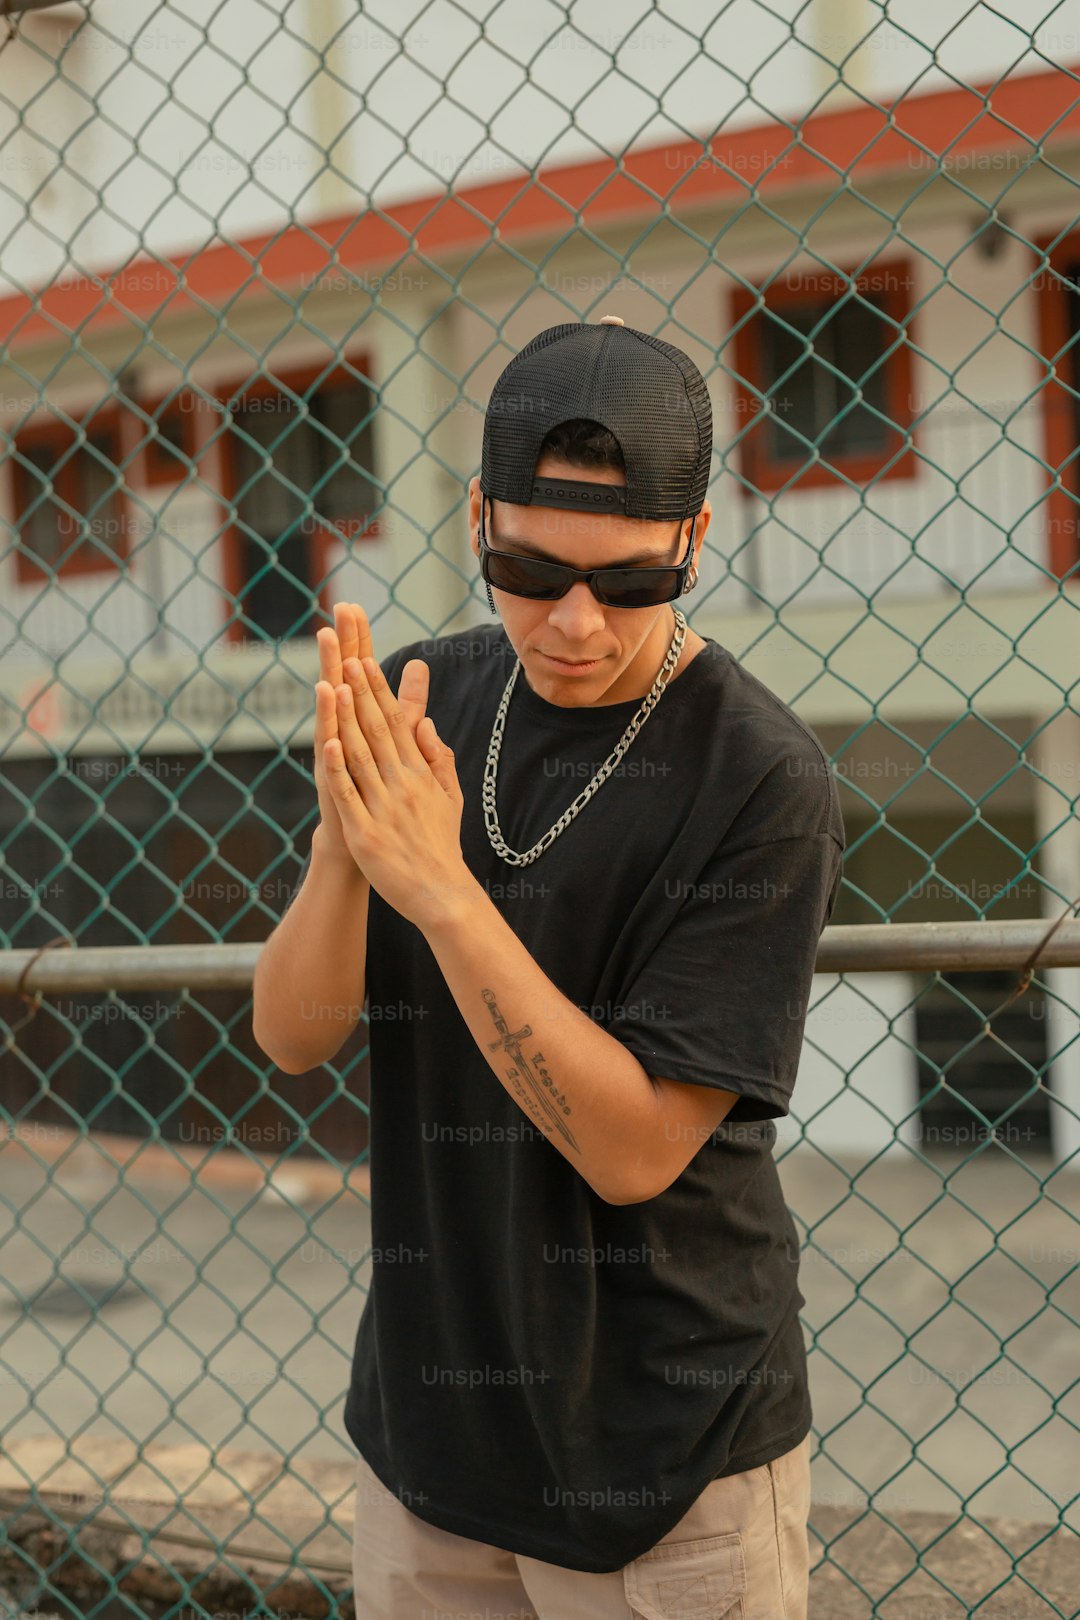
(646, 392)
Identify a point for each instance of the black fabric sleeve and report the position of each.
(391, 667)
(722, 1000)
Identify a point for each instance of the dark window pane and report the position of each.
(274, 476)
(280, 602)
(998, 1074)
(348, 494)
(793, 381)
(57, 526)
(307, 451)
(40, 515)
(282, 455)
(167, 439)
(810, 401)
(860, 337)
(95, 489)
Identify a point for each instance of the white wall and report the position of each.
(1055, 753)
(857, 1086)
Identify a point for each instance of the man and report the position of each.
(579, 1381)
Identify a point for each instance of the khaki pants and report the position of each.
(740, 1553)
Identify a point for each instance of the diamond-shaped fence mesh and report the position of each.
(262, 262)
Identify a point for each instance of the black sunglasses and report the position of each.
(614, 587)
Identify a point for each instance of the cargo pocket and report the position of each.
(688, 1580)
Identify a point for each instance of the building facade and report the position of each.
(213, 437)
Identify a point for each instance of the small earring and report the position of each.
(691, 579)
(491, 600)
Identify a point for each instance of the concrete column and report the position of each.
(329, 107)
(839, 26)
(1055, 753)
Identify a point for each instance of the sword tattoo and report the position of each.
(551, 1101)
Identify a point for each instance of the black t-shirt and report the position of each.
(536, 1368)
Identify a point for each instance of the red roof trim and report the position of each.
(864, 142)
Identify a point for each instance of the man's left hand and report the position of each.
(398, 797)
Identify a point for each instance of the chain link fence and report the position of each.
(261, 265)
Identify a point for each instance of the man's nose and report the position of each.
(578, 613)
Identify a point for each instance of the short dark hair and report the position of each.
(582, 442)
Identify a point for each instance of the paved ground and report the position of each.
(942, 1305)
(943, 1308)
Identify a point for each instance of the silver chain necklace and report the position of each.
(649, 702)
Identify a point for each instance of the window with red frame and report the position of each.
(278, 457)
(70, 506)
(1058, 306)
(808, 345)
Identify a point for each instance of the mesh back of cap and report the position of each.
(646, 392)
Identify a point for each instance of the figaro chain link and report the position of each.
(649, 702)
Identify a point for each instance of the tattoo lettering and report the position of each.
(542, 1091)
(527, 1102)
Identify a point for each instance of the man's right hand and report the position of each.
(351, 638)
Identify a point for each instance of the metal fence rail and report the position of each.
(259, 267)
(865, 948)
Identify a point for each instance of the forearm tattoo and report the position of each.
(529, 1078)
